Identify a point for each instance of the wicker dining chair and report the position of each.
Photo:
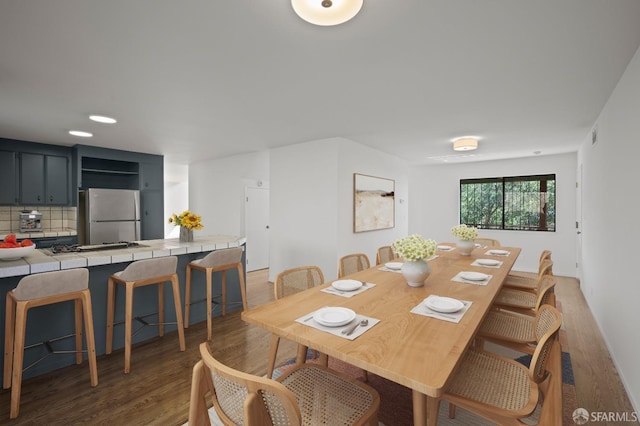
(501, 389)
(524, 280)
(385, 254)
(513, 330)
(525, 302)
(289, 282)
(352, 263)
(307, 394)
(487, 242)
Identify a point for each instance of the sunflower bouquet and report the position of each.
(187, 219)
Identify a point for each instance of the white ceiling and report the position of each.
(197, 79)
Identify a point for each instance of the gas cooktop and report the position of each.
(75, 248)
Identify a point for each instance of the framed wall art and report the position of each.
(374, 204)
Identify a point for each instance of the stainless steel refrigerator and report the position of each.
(109, 215)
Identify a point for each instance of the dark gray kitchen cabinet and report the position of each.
(8, 177)
(152, 214)
(152, 176)
(44, 179)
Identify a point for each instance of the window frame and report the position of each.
(504, 181)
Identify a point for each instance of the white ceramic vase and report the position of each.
(465, 247)
(415, 272)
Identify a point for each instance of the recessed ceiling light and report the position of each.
(103, 119)
(80, 133)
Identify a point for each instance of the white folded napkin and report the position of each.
(337, 331)
(423, 309)
(459, 279)
(333, 290)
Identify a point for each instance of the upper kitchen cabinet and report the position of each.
(44, 179)
(8, 177)
(35, 174)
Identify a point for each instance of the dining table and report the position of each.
(405, 341)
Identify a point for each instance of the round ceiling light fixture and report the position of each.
(465, 143)
(103, 119)
(326, 12)
(80, 133)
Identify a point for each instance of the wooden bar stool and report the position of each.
(138, 274)
(38, 290)
(218, 260)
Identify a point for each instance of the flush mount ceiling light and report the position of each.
(103, 119)
(465, 143)
(326, 12)
(80, 133)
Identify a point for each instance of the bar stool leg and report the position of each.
(128, 320)
(111, 295)
(9, 330)
(90, 337)
(78, 321)
(176, 301)
(161, 309)
(209, 301)
(16, 382)
(187, 297)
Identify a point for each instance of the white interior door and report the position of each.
(257, 228)
(579, 225)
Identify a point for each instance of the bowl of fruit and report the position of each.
(12, 249)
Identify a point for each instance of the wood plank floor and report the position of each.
(156, 392)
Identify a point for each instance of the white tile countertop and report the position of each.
(44, 261)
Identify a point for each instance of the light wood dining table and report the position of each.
(416, 351)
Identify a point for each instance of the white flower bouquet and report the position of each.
(465, 232)
(414, 247)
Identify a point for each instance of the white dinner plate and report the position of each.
(445, 248)
(334, 316)
(394, 265)
(473, 276)
(346, 285)
(499, 252)
(443, 304)
(488, 262)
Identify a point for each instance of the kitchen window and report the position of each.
(520, 203)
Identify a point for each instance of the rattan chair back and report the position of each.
(296, 398)
(385, 254)
(295, 280)
(488, 242)
(547, 326)
(352, 263)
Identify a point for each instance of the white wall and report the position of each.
(217, 188)
(434, 206)
(609, 231)
(176, 194)
(312, 203)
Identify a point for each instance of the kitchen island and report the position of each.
(48, 323)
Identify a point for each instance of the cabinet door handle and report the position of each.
(50, 197)
(38, 198)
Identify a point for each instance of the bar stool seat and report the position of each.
(138, 274)
(216, 261)
(38, 290)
